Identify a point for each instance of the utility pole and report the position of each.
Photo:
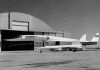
(9, 20)
(63, 33)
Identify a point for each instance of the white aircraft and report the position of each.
(94, 40)
(53, 38)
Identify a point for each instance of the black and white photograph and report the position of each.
(49, 34)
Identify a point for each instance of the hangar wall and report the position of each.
(4, 21)
(10, 42)
(35, 24)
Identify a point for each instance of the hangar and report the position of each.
(14, 24)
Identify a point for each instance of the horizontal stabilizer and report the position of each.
(96, 37)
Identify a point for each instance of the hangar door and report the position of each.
(10, 42)
(20, 25)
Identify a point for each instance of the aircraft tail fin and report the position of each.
(83, 38)
(96, 37)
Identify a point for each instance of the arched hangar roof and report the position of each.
(35, 24)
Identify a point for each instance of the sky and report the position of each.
(75, 16)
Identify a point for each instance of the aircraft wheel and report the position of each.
(74, 50)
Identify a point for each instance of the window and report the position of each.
(20, 25)
(19, 28)
(50, 34)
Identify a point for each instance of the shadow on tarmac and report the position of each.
(91, 50)
(31, 65)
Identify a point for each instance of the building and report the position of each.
(13, 24)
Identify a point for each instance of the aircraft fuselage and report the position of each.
(88, 43)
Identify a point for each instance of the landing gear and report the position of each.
(74, 50)
(71, 49)
(40, 51)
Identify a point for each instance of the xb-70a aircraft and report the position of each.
(73, 46)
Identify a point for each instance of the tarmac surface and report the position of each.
(62, 60)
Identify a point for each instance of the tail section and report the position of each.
(96, 37)
(83, 38)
